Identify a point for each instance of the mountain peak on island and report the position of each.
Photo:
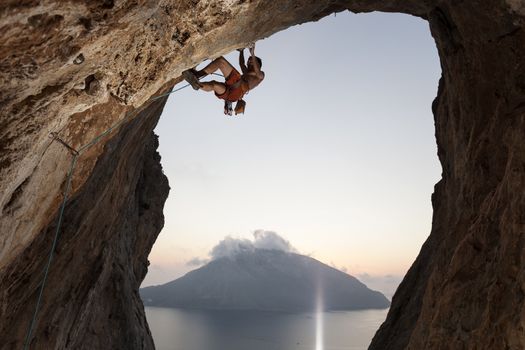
(267, 280)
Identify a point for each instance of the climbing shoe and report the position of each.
(190, 77)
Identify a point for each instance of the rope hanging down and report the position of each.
(51, 252)
(76, 154)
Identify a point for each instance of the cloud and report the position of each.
(364, 277)
(342, 268)
(262, 239)
(386, 283)
(271, 240)
(155, 267)
(230, 246)
(197, 262)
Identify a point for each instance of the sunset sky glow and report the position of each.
(336, 151)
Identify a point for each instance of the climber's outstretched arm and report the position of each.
(255, 63)
(242, 61)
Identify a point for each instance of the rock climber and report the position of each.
(236, 84)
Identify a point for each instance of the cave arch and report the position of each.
(464, 289)
(186, 115)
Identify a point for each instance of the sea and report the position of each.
(182, 329)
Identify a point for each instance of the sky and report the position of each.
(336, 152)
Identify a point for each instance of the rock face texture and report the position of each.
(466, 289)
(110, 225)
(76, 67)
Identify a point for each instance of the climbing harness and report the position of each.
(76, 153)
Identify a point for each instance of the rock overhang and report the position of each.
(78, 67)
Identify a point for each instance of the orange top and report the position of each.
(233, 94)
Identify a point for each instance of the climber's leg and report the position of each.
(218, 64)
(217, 87)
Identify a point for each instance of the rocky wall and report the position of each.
(76, 67)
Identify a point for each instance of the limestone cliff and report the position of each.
(91, 300)
(76, 67)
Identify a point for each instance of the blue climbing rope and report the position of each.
(51, 253)
(127, 117)
(76, 154)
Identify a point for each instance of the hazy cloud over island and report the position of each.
(262, 239)
(385, 283)
(197, 262)
(230, 246)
